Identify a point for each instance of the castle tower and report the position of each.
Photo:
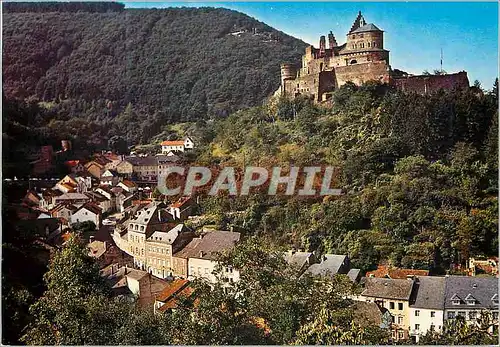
(322, 46)
(331, 41)
(287, 73)
(358, 22)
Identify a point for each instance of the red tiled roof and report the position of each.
(395, 273)
(72, 163)
(181, 202)
(128, 183)
(181, 289)
(172, 143)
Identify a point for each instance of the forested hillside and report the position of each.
(131, 71)
(419, 175)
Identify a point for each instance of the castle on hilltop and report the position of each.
(362, 58)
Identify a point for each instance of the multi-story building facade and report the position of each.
(469, 296)
(393, 295)
(427, 306)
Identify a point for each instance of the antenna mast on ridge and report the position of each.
(441, 60)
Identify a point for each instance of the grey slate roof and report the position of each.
(142, 161)
(330, 265)
(298, 259)
(353, 274)
(428, 292)
(365, 28)
(388, 288)
(481, 288)
(168, 237)
(209, 244)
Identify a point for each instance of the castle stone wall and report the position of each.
(425, 84)
(360, 73)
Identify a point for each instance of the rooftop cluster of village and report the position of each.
(147, 252)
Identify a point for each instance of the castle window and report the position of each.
(368, 44)
(353, 61)
(353, 36)
(362, 45)
(374, 44)
(361, 35)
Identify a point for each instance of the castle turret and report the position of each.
(322, 46)
(287, 73)
(331, 41)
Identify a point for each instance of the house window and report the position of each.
(142, 227)
(431, 328)
(393, 319)
(495, 315)
(472, 315)
(400, 334)
(455, 302)
(417, 326)
(400, 320)
(391, 305)
(461, 314)
(433, 314)
(400, 306)
(417, 313)
(451, 315)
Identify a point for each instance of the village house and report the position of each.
(181, 209)
(483, 266)
(386, 271)
(139, 227)
(67, 184)
(330, 265)
(168, 299)
(88, 212)
(110, 177)
(177, 146)
(75, 166)
(48, 198)
(134, 284)
(393, 295)
(125, 168)
(128, 185)
(468, 296)
(64, 212)
(144, 168)
(32, 198)
(97, 166)
(300, 260)
(76, 199)
(427, 306)
(162, 244)
(100, 200)
(199, 256)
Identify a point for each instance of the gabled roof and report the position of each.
(428, 292)
(168, 237)
(366, 28)
(73, 196)
(91, 208)
(128, 183)
(481, 288)
(174, 287)
(172, 143)
(330, 265)
(208, 245)
(395, 273)
(59, 207)
(388, 288)
(181, 202)
(298, 259)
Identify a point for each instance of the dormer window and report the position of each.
(455, 300)
(494, 299)
(470, 300)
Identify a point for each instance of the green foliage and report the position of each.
(149, 68)
(419, 172)
(460, 332)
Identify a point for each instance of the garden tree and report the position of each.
(83, 227)
(74, 309)
(460, 332)
(118, 145)
(272, 290)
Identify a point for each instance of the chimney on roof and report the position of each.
(202, 254)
